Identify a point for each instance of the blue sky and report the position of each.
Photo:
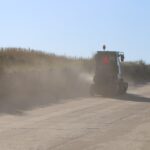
(77, 27)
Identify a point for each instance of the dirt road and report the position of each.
(82, 124)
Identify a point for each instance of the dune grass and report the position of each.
(14, 59)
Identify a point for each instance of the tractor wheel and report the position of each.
(123, 86)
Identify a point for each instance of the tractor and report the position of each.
(108, 79)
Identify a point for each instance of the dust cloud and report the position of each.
(25, 90)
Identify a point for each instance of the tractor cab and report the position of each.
(108, 65)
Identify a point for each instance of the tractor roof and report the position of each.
(109, 53)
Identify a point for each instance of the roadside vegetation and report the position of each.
(19, 59)
(137, 71)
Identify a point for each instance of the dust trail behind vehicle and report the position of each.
(25, 90)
